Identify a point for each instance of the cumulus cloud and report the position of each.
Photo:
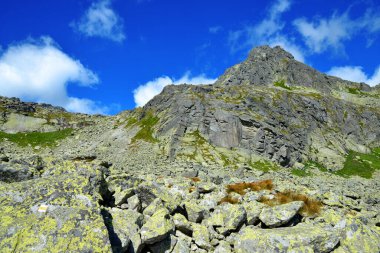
(268, 31)
(147, 91)
(100, 20)
(39, 71)
(215, 29)
(356, 74)
(322, 34)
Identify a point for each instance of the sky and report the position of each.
(105, 56)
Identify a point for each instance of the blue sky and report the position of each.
(104, 56)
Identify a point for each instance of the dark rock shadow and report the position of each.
(114, 238)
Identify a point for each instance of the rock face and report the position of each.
(252, 163)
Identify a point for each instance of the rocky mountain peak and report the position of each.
(266, 66)
(266, 53)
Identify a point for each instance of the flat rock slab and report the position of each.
(157, 227)
(278, 215)
(301, 238)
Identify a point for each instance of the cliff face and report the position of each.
(273, 106)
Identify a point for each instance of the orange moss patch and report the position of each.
(311, 207)
(241, 188)
(228, 199)
(192, 188)
(194, 179)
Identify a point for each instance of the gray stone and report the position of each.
(278, 215)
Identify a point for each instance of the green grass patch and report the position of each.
(45, 139)
(301, 173)
(312, 164)
(146, 132)
(282, 84)
(131, 121)
(264, 166)
(353, 90)
(358, 164)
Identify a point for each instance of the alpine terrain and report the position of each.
(273, 157)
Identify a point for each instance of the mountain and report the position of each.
(273, 149)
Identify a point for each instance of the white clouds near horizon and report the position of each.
(38, 70)
(100, 20)
(356, 74)
(147, 91)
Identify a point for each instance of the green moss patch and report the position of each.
(146, 131)
(358, 164)
(264, 166)
(36, 138)
(282, 84)
(301, 173)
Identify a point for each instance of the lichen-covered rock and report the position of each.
(165, 246)
(134, 203)
(195, 212)
(227, 217)
(358, 237)
(148, 191)
(153, 207)
(201, 236)
(126, 225)
(301, 238)
(121, 196)
(182, 224)
(157, 227)
(253, 209)
(206, 187)
(223, 247)
(54, 213)
(278, 215)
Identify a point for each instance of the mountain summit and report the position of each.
(266, 65)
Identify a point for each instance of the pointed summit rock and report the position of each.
(269, 66)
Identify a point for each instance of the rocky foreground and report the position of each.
(85, 205)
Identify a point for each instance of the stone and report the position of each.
(182, 224)
(278, 215)
(253, 210)
(165, 246)
(157, 227)
(201, 236)
(206, 187)
(153, 207)
(223, 247)
(358, 237)
(134, 203)
(195, 212)
(227, 217)
(72, 221)
(126, 226)
(301, 238)
(122, 196)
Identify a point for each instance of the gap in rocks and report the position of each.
(113, 237)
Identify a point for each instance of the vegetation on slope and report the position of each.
(146, 128)
(36, 138)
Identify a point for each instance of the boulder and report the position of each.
(253, 210)
(301, 238)
(201, 236)
(278, 215)
(157, 227)
(227, 217)
(195, 212)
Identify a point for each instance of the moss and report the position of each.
(146, 128)
(301, 173)
(199, 139)
(281, 83)
(358, 164)
(353, 90)
(264, 166)
(313, 164)
(131, 121)
(36, 138)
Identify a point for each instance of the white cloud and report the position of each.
(39, 71)
(355, 74)
(100, 20)
(322, 34)
(268, 31)
(215, 29)
(147, 91)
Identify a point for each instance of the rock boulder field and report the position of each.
(273, 157)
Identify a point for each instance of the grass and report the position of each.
(228, 199)
(36, 138)
(146, 131)
(241, 188)
(311, 206)
(313, 164)
(263, 165)
(281, 84)
(301, 173)
(358, 164)
(353, 90)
